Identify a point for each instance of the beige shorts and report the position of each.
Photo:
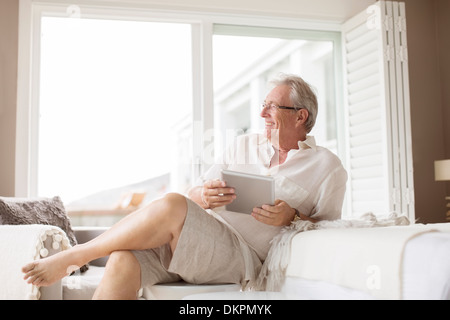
(207, 252)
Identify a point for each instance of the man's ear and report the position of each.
(302, 116)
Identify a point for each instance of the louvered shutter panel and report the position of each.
(377, 111)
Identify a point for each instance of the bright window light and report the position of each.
(112, 94)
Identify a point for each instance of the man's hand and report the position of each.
(215, 193)
(280, 214)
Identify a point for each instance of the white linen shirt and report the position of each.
(312, 180)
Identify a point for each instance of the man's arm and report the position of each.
(213, 194)
(280, 214)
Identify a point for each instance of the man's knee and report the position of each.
(175, 199)
(123, 260)
(177, 215)
(176, 204)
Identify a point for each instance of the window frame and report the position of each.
(30, 13)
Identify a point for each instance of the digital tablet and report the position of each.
(251, 190)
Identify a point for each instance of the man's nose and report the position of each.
(263, 113)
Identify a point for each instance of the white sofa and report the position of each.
(388, 263)
(395, 262)
(313, 270)
(32, 240)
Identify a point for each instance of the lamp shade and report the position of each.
(442, 170)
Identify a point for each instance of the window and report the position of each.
(95, 83)
(113, 94)
(245, 59)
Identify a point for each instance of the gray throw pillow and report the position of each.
(48, 211)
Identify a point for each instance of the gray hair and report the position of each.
(302, 96)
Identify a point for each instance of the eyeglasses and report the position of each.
(273, 107)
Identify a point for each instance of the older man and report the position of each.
(194, 237)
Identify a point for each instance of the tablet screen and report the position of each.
(251, 190)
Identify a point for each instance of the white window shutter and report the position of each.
(379, 159)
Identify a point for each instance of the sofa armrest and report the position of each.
(21, 244)
(85, 234)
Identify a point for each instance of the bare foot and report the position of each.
(47, 271)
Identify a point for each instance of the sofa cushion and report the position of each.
(47, 211)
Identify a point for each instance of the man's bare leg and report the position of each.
(152, 226)
(122, 278)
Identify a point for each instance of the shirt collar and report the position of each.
(308, 143)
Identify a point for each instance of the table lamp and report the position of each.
(442, 173)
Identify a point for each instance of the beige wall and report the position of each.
(429, 67)
(426, 22)
(8, 88)
(443, 38)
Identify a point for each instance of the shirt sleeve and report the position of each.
(331, 196)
